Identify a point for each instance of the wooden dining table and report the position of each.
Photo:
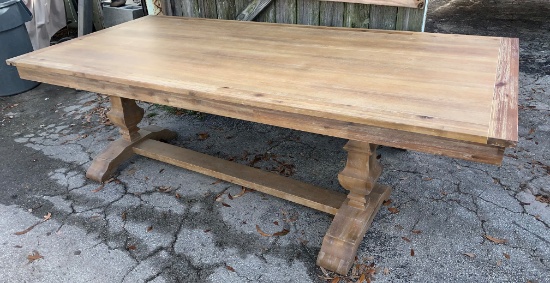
(446, 94)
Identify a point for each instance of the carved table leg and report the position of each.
(126, 115)
(354, 217)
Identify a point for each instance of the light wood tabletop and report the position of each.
(434, 84)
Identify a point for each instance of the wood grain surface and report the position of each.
(503, 129)
(431, 84)
(266, 182)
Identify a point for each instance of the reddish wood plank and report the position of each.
(503, 130)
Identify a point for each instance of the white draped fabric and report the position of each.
(48, 18)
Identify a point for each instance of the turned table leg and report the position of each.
(354, 217)
(125, 114)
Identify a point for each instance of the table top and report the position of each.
(451, 86)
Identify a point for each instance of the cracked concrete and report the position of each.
(159, 223)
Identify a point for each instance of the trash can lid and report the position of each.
(13, 13)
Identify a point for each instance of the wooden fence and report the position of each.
(307, 12)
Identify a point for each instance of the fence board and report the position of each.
(208, 9)
(189, 8)
(409, 19)
(166, 7)
(268, 14)
(356, 15)
(394, 3)
(225, 9)
(307, 12)
(177, 7)
(331, 14)
(383, 17)
(285, 11)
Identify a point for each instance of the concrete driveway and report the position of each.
(457, 221)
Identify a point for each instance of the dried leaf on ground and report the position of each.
(229, 268)
(225, 204)
(276, 234)
(34, 256)
(416, 232)
(28, 229)
(104, 183)
(495, 240)
(412, 252)
(48, 216)
(245, 155)
(132, 247)
(387, 202)
(262, 232)
(255, 160)
(361, 278)
(507, 256)
(281, 233)
(219, 196)
(406, 239)
(386, 271)
(98, 188)
(178, 195)
(393, 210)
(123, 215)
(543, 199)
(203, 136)
(164, 189)
(149, 229)
(335, 280)
(284, 169)
(471, 255)
(242, 192)
(499, 262)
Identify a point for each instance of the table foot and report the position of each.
(356, 213)
(347, 230)
(106, 163)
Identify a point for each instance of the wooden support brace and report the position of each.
(126, 115)
(252, 10)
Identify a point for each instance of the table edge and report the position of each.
(503, 126)
(478, 152)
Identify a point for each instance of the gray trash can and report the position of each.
(14, 41)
